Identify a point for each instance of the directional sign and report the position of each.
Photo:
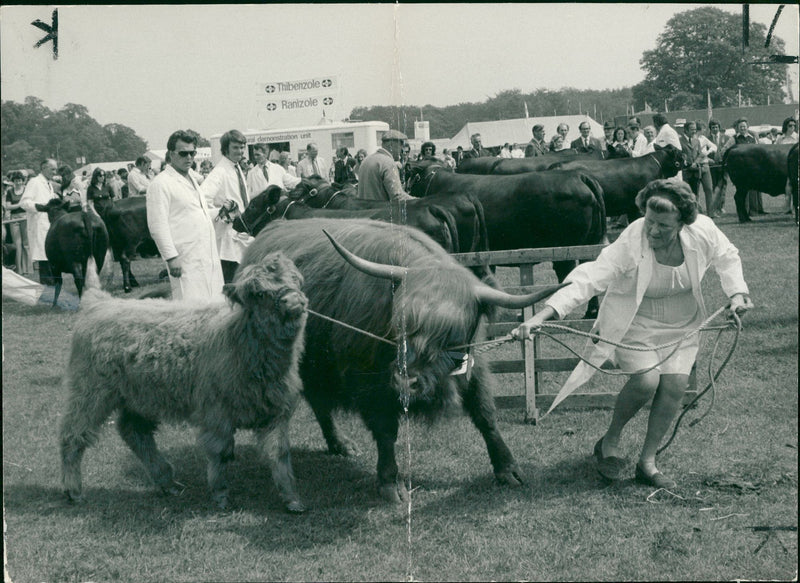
(52, 33)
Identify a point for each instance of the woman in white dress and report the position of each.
(651, 277)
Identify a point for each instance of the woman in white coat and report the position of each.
(651, 277)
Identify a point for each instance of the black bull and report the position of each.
(430, 219)
(761, 167)
(426, 306)
(126, 221)
(466, 210)
(531, 210)
(623, 178)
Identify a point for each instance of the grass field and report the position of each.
(736, 470)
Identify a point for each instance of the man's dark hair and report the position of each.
(231, 136)
(143, 160)
(659, 119)
(183, 136)
(260, 147)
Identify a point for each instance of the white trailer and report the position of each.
(328, 137)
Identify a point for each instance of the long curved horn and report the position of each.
(381, 270)
(490, 295)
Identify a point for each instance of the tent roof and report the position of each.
(518, 131)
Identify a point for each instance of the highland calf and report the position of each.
(219, 367)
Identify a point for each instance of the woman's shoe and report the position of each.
(610, 468)
(656, 480)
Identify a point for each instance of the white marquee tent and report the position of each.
(518, 131)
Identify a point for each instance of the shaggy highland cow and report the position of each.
(219, 367)
(414, 295)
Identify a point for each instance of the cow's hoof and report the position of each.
(73, 497)
(344, 447)
(511, 476)
(171, 490)
(395, 493)
(221, 500)
(295, 507)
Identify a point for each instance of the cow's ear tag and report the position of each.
(313, 192)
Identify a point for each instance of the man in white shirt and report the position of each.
(181, 225)
(266, 173)
(667, 135)
(225, 187)
(137, 177)
(312, 164)
(39, 190)
(636, 140)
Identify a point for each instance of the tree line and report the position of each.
(32, 132)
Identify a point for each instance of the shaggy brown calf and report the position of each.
(216, 366)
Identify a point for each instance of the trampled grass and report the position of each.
(737, 469)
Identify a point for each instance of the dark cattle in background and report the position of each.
(520, 165)
(761, 167)
(792, 169)
(535, 209)
(623, 178)
(72, 238)
(430, 302)
(467, 211)
(126, 221)
(270, 206)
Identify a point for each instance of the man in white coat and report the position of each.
(266, 173)
(39, 191)
(181, 225)
(225, 187)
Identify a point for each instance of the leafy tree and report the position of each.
(201, 141)
(124, 141)
(31, 131)
(701, 50)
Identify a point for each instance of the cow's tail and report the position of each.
(597, 231)
(449, 228)
(93, 289)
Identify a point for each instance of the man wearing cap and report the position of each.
(536, 147)
(378, 176)
(636, 140)
(586, 143)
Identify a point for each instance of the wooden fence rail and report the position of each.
(532, 364)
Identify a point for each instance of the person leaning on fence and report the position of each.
(651, 277)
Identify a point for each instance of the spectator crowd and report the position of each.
(191, 207)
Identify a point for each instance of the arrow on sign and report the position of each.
(52, 33)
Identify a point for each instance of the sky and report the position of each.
(160, 68)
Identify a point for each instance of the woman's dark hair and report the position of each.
(342, 152)
(623, 130)
(65, 172)
(665, 196)
(95, 175)
(430, 145)
(786, 123)
(16, 175)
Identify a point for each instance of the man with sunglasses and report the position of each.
(180, 223)
(225, 188)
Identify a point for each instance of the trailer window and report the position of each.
(343, 140)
